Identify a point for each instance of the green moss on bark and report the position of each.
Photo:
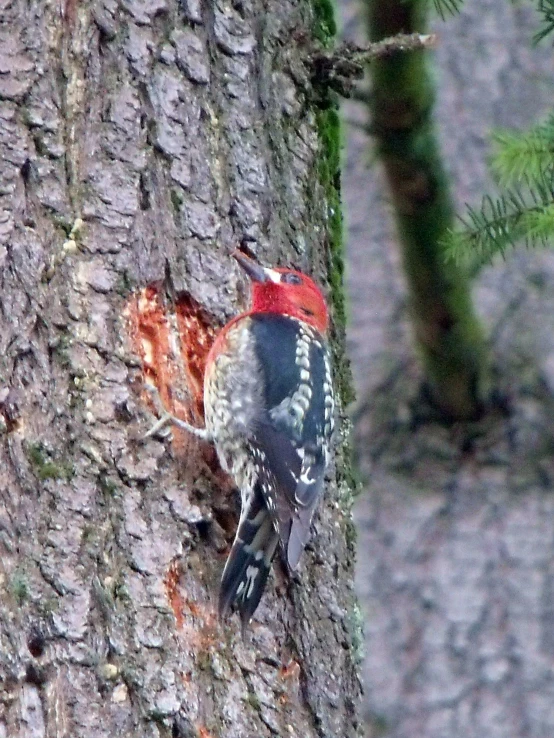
(45, 467)
(329, 175)
(325, 28)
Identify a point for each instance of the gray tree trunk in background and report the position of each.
(456, 565)
(171, 130)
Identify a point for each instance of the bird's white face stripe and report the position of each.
(273, 275)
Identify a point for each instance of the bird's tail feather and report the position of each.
(247, 568)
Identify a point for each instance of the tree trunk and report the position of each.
(141, 140)
(446, 329)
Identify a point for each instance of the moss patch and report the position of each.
(329, 175)
(46, 468)
(328, 125)
(325, 28)
(19, 588)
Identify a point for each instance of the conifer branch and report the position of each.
(524, 212)
(546, 8)
(527, 156)
(447, 7)
(502, 222)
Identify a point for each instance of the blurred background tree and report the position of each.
(446, 329)
(456, 524)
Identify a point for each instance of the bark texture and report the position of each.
(140, 140)
(456, 570)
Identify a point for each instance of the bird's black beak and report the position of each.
(255, 271)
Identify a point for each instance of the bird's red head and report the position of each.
(285, 291)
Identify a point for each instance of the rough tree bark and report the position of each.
(139, 141)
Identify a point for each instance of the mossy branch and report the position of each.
(446, 329)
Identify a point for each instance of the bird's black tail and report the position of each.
(247, 568)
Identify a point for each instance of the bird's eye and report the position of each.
(291, 278)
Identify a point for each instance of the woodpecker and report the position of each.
(269, 410)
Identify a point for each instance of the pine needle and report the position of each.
(447, 7)
(546, 8)
(444, 7)
(526, 156)
(502, 222)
